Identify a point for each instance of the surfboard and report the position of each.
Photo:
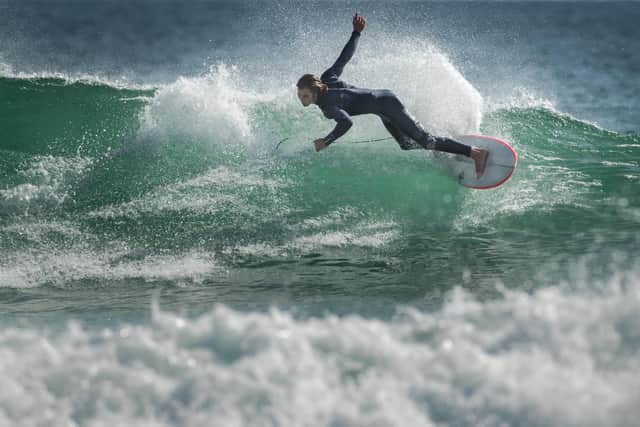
(501, 163)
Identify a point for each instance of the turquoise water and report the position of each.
(163, 264)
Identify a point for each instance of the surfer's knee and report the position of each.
(405, 145)
(428, 141)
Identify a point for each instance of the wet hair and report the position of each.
(313, 83)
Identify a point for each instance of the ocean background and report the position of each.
(162, 264)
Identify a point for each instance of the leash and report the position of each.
(346, 142)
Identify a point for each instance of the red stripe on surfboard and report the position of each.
(515, 163)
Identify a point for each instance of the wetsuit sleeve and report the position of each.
(343, 125)
(332, 73)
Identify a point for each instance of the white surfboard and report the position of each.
(501, 162)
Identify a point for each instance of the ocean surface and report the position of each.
(162, 264)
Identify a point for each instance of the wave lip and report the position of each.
(7, 72)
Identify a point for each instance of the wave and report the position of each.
(515, 360)
(55, 116)
(187, 129)
(191, 168)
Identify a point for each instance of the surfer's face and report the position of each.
(306, 96)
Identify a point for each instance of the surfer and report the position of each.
(339, 101)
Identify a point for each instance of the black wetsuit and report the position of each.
(343, 100)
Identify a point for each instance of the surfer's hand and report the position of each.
(319, 143)
(358, 23)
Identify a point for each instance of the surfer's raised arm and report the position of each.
(334, 72)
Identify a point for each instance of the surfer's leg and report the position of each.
(400, 118)
(405, 142)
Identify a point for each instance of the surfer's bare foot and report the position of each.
(479, 156)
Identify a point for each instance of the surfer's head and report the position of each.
(310, 87)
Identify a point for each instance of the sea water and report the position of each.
(163, 264)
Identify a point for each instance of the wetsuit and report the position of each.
(343, 100)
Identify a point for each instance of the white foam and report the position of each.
(337, 229)
(213, 107)
(61, 267)
(520, 97)
(337, 217)
(61, 253)
(367, 235)
(425, 79)
(5, 69)
(46, 181)
(542, 190)
(218, 189)
(543, 359)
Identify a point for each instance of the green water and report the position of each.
(98, 211)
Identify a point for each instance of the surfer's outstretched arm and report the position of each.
(334, 72)
(343, 124)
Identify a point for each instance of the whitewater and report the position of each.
(163, 264)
